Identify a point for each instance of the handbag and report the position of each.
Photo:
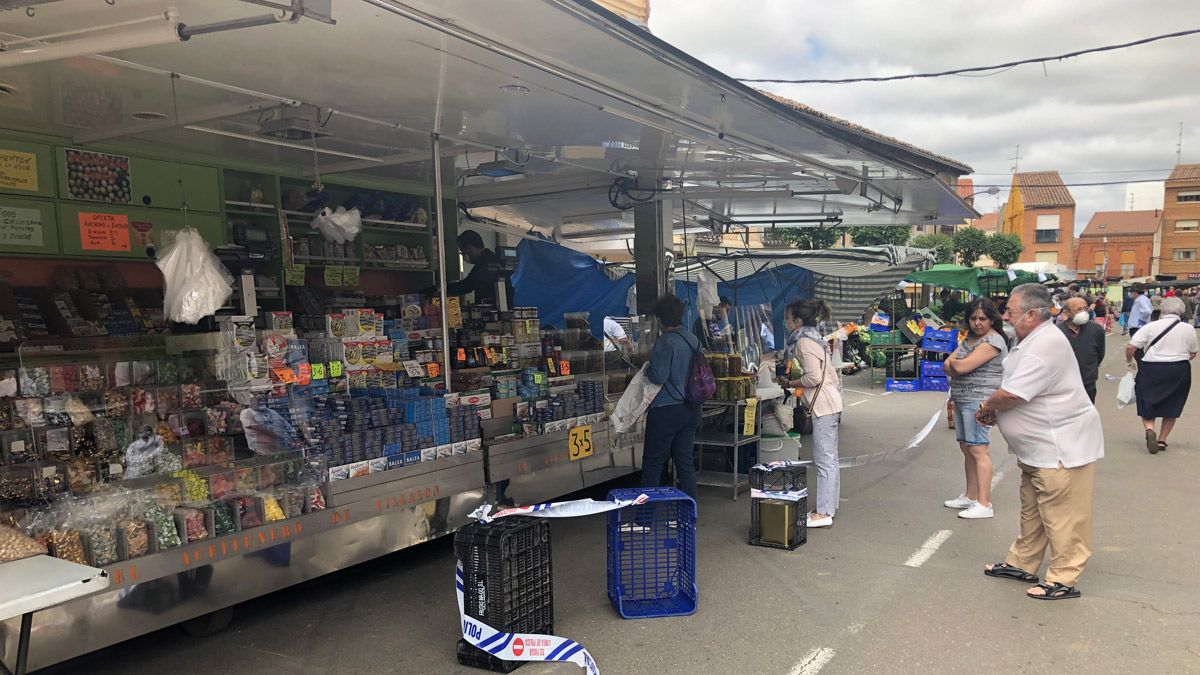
(802, 419)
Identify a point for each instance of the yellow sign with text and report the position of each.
(18, 170)
(751, 414)
(579, 442)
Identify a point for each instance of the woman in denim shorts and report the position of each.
(975, 371)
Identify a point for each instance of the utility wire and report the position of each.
(980, 69)
(1111, 182)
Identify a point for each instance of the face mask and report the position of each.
(1080, 318)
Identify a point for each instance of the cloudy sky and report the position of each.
(1116, 112)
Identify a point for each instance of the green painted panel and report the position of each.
(112, 179)
(107, 231)
(26, 168)
(28, 226)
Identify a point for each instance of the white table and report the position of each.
(37, 583)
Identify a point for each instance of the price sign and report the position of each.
(350, 276)
(18, 170)
(318, 371)
(454, 312)
(414, 369)
(294, 275)
(435, 369)
(335, 368)
(751, 414)
(333, 276)
(579, 442)
(564, 367)
(104, 232)
(304, 374)
(285, 375)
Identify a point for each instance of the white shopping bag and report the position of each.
(633, 404)
(1125, 392)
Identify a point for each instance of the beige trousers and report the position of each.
(1056, 510)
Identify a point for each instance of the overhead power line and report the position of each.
(981, 69)
(1111, 182)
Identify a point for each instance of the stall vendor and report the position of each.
(487, 269)
(716, 334)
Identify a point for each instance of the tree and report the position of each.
(970, 244)
(896, 235)
(1005, 249)
(942, 246)
(811, 238)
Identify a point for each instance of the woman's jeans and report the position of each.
(825, 457)
(671, 433)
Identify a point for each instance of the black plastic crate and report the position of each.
(779, 479)
(507, 581)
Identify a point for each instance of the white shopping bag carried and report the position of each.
(634, 402)
(1125, 391)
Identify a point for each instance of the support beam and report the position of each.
(653, 240)
(196, 116)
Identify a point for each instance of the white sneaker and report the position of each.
(827, 521)
(960, 502)
(977, 510)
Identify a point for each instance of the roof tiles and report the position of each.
(1043, 190)
(1185, 172)
(1114, 223)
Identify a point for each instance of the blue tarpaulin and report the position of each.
(557, 280)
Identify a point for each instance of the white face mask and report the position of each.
(1080, 318)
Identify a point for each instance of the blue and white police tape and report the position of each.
(519, 646)
(571, 509)
(788, 495)
(861, 460)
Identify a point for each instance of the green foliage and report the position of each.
(896, 235)
(1005, 249)
(811, 238)
(942, 246)
(970, 244)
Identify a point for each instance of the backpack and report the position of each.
(701, 383)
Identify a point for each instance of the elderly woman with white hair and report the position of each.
(1164, 375)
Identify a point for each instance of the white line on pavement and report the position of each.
(927, 549)
(813, 662)
(860, 392)
(857, 402)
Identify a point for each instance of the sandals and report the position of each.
(1162, 446)
(1055, 591)
(1151, 442)
(1006, 571)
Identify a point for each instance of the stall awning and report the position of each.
(975, 280)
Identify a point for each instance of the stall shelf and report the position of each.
(734, 441)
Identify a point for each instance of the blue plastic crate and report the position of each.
(935, 384)
(652, 554)
(943, 346)
(935, 334)
(932, 369)
(903, 385)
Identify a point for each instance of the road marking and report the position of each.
(857, 402)
(996, 478)
(888, 393)
(927, 549)
(813, 662)
(861, 392)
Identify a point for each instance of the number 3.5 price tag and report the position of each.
(579, 442)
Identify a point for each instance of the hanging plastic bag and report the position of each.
(338, 225)
(1125, 390)
(634, 402)
(196, 282)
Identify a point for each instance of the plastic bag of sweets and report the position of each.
(247, 479)
(167, 399)
(78, 411)
(100, 536)
(194, 523)
(272, 511)
(166, 533)
(136, 535)
(195, 452)
(142, 400)
(222, 483)
(64, 539)
(91, 378)
(82, 475)
(166, 432)
(220, 450)
(116, 403)
(195, 486)
(224, 517)
(55, 409)
(34, 382)
(15, 545)
(168, 372)
(31, 413)
(314, 498)
(247, 507)
(191, 397)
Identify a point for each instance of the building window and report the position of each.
(1184, 254)
(1046, 257)
(1187, 197)
(1046, 236)
(1049, 222)
(1126, 269)
(1187, 225)
(1099, 258)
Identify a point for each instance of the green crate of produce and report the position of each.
(887, 339)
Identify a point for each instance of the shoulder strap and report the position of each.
(1161, 335)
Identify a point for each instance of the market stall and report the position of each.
(325, 411)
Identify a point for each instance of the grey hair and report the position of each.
(1032, 296)
(1174, 306)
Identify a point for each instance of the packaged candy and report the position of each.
(142, 401)
(195, 526)
(195, 452)
(66, 544)
(116, 403)
(166, 534)
(91, 378)
(190, 397)
(248, 510)
(224, 517)
(136, 536)
(102, 540)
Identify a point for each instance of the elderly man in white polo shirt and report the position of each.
(1054, 430)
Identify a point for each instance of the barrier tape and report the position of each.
(571, 509)
(519, 646)
(863, 460)
(790, 495)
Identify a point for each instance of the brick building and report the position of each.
(1180, 240)
(1125, 237)
(1041, 210)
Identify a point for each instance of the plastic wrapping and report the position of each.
(634, 402)
(338, 225)
(196, 283)
(1125, 390)
(15, 545)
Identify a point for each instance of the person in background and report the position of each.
(1164, 374)
(768, 336)
(1100, 312)
(1087, 341)
(1156, 299)
(671, 421)
(1189, 306)
(487, 269)
(954, 309)
(1140, 310)
(615, 338)
(975, 371)
(822, 395)
(1126, 308)
(1055, 432)
(715, 334)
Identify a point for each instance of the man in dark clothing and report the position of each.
(1087, 341)
(1126, 307)
(715, 334)
(487, 269)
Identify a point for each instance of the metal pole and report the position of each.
(441, 259)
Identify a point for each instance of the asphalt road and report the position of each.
(846, 602)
